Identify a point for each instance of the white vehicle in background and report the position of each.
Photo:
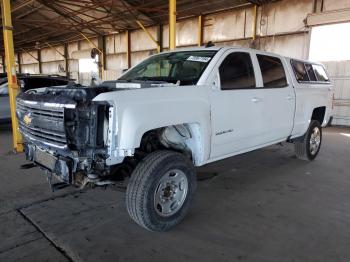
(172, 112)
(5, 113)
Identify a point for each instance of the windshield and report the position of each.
(184, 68)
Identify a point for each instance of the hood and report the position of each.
(64, 94)
(77, 94)
(136, 84)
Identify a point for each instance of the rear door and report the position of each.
(236, 106)
(279, 98)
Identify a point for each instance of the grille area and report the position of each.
(43, 123)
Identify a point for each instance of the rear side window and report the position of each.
(320, 73)
(310, 72)
(307, 72)
(300, 71)
(272, 71)
(237, 72)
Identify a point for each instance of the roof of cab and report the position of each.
(217, 48)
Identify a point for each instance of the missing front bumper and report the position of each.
(61, 167)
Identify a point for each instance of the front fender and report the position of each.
(142, 110)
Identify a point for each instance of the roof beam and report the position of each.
(34, 9)
(20, 6)
(77, 20)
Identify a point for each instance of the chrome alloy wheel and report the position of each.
(170, 193)
(315, 141)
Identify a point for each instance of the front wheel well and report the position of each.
(183, 138)
(319, 114)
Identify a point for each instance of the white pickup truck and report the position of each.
(172, 112)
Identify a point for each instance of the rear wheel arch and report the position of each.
(319, 114)
(308, 146)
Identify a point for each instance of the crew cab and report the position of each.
(170, 113)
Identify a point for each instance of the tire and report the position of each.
(309, 145)
(150, 198)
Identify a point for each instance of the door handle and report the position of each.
(289, 98)
(256, 100)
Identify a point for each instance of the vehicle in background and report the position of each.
(26, 82)
(172, 112)
(5, 113)
(32, 81)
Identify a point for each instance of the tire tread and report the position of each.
(136, 190)
(301, 147)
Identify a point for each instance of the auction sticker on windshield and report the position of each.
(202, 59)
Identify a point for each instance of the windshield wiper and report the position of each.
(144, 78)
(156, 80)
(151, 79)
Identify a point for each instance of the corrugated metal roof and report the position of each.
(37, 22)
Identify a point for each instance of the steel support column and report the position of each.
(255, 14)
(160, 37)
(11, 71)
(19, 63)
(39, 62)
(101, 71)
(66, 59)
(128, 48)
(172, 24)
(200, 30)
(102, 46)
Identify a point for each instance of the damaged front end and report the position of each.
(65, 132)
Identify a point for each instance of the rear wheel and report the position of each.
(309, 146)
(160, 190)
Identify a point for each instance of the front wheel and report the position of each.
(160, 190)
(309, 146)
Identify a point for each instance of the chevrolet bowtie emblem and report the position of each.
(27, 119)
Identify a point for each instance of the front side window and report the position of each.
(320, 73)
(237, 72)
(272, 71)
(300, 71)
(184, 67)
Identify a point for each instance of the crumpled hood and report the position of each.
(76, 94)
(64, 94)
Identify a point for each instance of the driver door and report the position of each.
(236, 106)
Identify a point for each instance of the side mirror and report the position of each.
(124, 70)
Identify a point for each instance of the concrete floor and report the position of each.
(263, 206)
